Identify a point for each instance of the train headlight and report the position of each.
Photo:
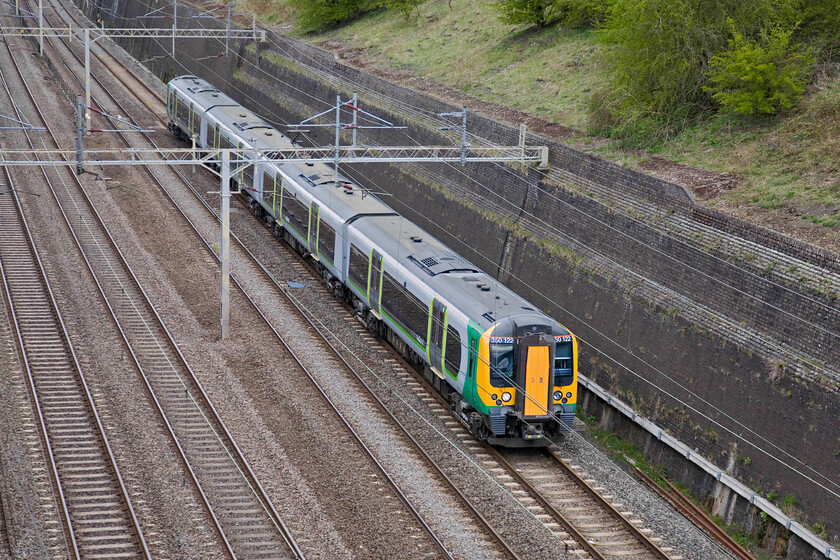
(494, 396)
(569, 395)
(558, 395)
(506, 396)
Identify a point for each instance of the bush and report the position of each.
(317, 15)
(581, 13)
(657, 51)
(658, 54)
(820, 27)
(534, 12)
(761, 77)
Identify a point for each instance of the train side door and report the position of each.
(314, 213)
(438, 327)
(375, 282)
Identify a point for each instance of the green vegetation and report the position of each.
(626, 452)
(759, 77)
(746, 89)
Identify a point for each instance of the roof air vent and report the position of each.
(416, 238)
(429, 261)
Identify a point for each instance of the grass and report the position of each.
(786, 166)
(469, 49)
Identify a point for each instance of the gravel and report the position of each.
(326, 490)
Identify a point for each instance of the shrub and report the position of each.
(534, 12)
(763, 77)
(581, 13)
(658, 54)
(317, 15)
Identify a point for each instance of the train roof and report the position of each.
(202, 92)
(485, 300)
(344, 197)
(473, 291)
(338, 193)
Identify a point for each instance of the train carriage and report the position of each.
(509, 370)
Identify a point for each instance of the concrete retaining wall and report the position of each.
(699, 337)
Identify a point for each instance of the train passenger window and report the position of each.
(563, 374)
(501, 364)
(404, 308)
(295, 213)
(182, 112)
(196, 123)
(326, 241)
(240, 177)
(248, 176)
(224, 142)
(270, 193)
(359, 264)
(453, 352)
(170, 104)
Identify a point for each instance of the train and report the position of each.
(508, 370)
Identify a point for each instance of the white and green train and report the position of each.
(509, 370)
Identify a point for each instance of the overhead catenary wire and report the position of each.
(614, 343)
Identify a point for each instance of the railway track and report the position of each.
(494, 541)
(605, 534)
(595, 527)
(245, 519)
(96, 512)
(572, 501)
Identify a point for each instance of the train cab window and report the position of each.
(326, 241)
(452, 357)
(295, 213)
(358, 270)
(501, 363)
(563, 374)
(405, 309)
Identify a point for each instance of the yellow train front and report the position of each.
(525, 382)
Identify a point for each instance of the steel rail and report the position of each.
(567, 524)
(496, 537)
(248, 473)
(597, 497)
(320, 389)
(697, 516)
(76, 366)
(67, 525)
